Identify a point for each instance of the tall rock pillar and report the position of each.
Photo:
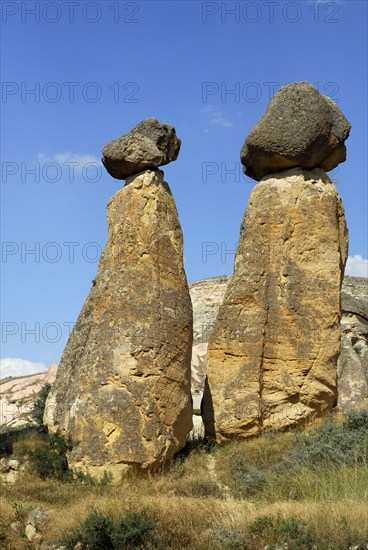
(272, 356)
(122, 390)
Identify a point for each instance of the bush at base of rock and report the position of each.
(101, 532)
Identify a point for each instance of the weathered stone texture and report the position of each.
(123, 385)
(300, 128)
(353, 361)
(206, 299)
(147, 146)
(273, 352)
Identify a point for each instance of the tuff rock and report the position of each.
(353, 360)
(122, 390)
(352, 381)
(272, 355)
(36, 524)
(17, 397)
(300, 128)
(148, 145)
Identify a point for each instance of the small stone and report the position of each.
(4, 466)
(147, 146)
(35, 523)
(14, 465)
(300, 128)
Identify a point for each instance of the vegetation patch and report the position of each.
(39, 406)
(298, 489)
(101, 532)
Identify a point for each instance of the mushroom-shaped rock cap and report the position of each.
(300, 128)
(147, 146)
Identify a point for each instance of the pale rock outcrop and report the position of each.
(17, 397)
(9, 470)
(206, 300)
(36, 524)
(147, 146)
(123, 386)
(352, 381)
(300, 128)
(273, 352)
(353, 361)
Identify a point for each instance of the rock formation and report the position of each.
(300, 128)
(352, 381)
(148, 145)
(273, 352)
(17, 397)
(206, 300)
(123, 386)
(352, 371)
(272, 356)
(207, 296)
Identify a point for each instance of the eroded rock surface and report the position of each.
(300, 128)
(123, 386)
(17, 396)
(148, 145)
(273, 353)
(353, 360)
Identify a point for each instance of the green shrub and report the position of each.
(3, 535)
(101, 532)
(87, 479)
(49, 460)
(247, 479)
(261, 525)
(273, 531)
(132, 531)
(39, 405)
(47, 454)
(94, 533)
(230, 539)
(333, 443)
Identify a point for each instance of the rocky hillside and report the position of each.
(17, 397)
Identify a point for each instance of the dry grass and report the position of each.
(197, 504)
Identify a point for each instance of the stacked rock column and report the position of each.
(272, 356)
(122, 390)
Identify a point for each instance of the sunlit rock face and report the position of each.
(272, 356)
(122, 391)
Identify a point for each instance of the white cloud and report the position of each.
(357, 266)
(68, 157)
(216, 118)
(12, 366)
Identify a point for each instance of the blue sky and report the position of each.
(77, 74)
